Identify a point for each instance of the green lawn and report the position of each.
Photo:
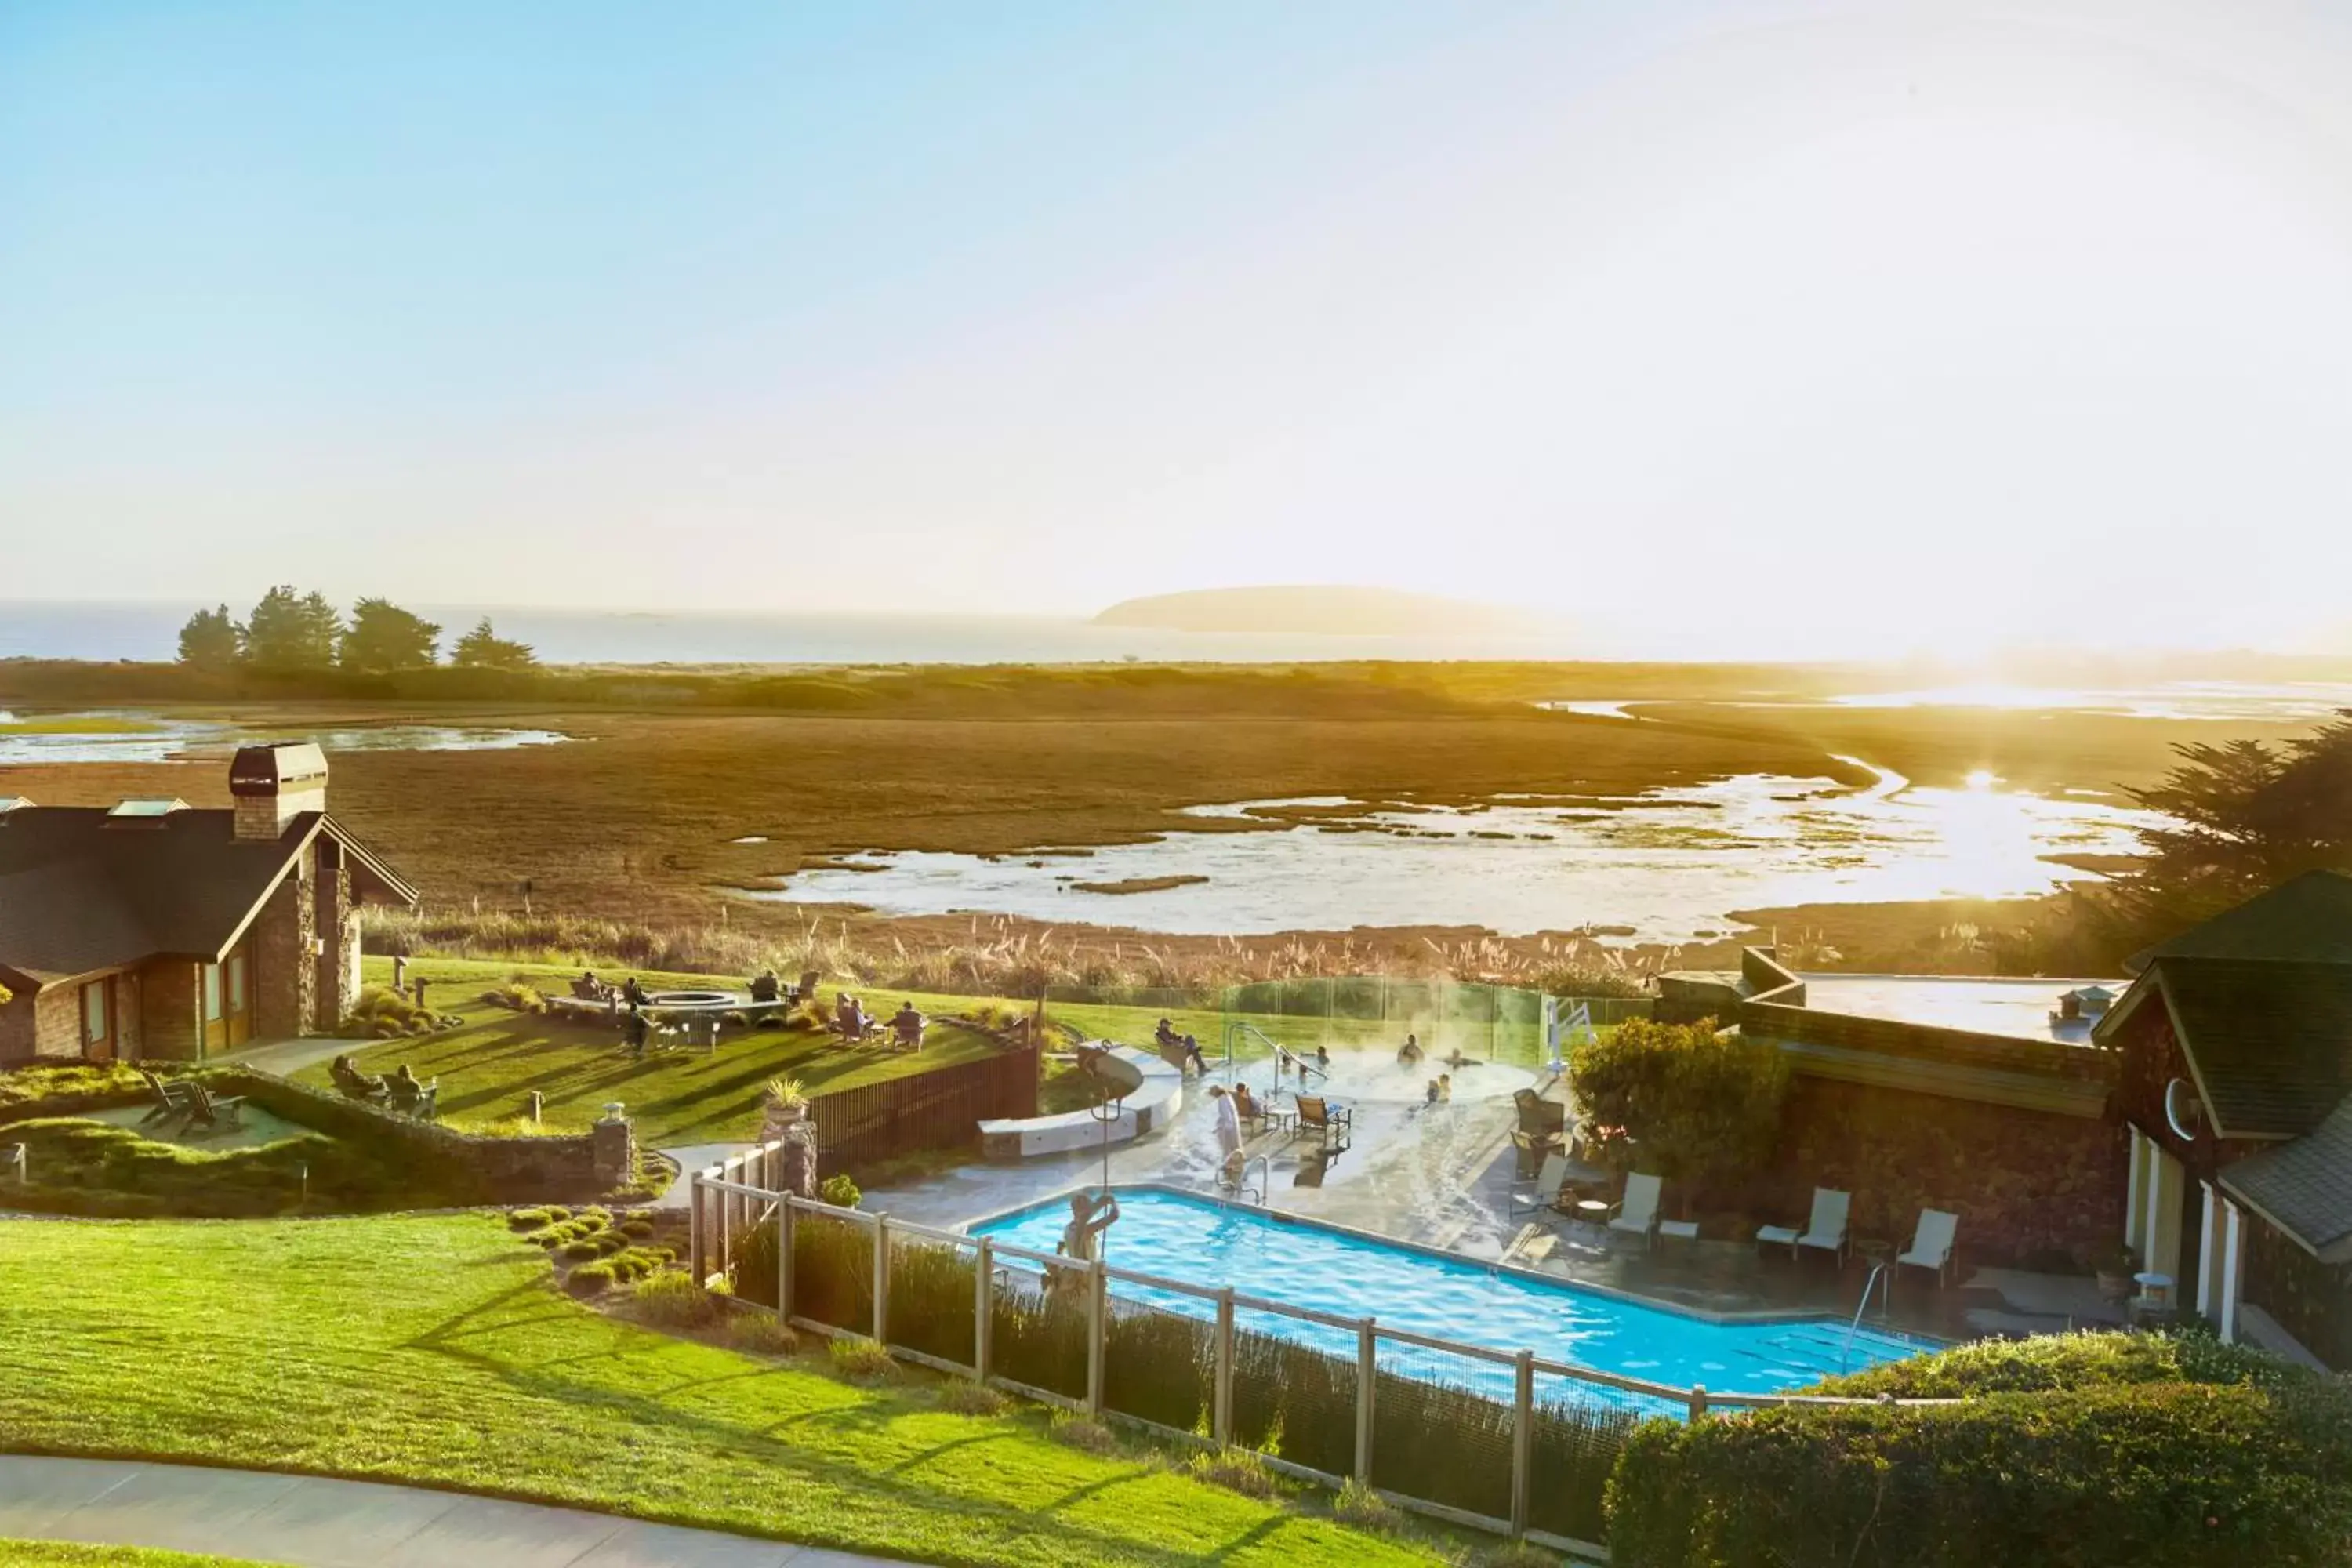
(68, 1554)
(435, 1350)
(488, 1066)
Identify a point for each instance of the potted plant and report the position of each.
(2115, 1266)
(786, 1105)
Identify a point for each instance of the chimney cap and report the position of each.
(272, 770)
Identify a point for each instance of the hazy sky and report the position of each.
(1751, 327)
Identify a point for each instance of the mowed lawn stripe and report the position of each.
(434, 1349)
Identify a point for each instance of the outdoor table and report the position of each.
(1593, 1212)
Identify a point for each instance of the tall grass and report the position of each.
(1438, 1441)
(996, 956)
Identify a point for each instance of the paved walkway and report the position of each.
(690, 1158)
(287, 1057)
(308, 1521)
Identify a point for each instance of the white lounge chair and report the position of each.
(1543, 1192)
(1638, 1213)
(1825, 1231)
(1931, 1244)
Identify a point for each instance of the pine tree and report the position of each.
(384, 638)
(209, 640)
(483, 648)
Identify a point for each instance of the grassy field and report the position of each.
(636, 818)
(435, 1350)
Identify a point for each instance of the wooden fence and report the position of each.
(938, 1109)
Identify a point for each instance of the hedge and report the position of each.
(2136, 1450)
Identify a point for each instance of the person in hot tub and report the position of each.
(1409, 1054)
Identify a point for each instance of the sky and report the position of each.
(1761, 328)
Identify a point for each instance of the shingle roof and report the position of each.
(2304, 1187)
(2272, 1043)
(77, 894)
(2305, 920)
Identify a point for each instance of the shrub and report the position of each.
(762, 1334)
(965, 1397)
(517, 995)
(1365, 1509)
(1693, 1099)
(2070, 1361)
(582, 1251)
(1082, 1432)
(589, 1278)
(2150, 1474)
(861, 1360)
(637, 1229)
(668, 1299)
(1517, 1554)
(528, 1219)
(1241, 1470)
(840, 1192)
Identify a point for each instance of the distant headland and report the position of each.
(1328, 611)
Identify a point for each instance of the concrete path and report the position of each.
(308, 1521)
(690, 1158)
(287, 1057)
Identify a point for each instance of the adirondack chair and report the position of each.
(206, 1108)
(170, 1099)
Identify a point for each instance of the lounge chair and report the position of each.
(1825, 1232)
(209, 1110)
(1317, 1114)
(170, 1099)
(1544, 1190)
(1637, 1211)
(1931, 1244)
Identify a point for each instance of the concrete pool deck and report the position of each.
(1443, 1176)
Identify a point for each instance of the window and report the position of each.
(93, 1013)
(212, 993)
(235, 983)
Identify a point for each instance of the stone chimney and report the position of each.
(273, 785)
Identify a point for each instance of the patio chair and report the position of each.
(206, 1108)
(1931, 1244)
(1637, 1211)
(806, 990)
(1317, 1114)
(1545, 1190)
(1825, 1232)
(170, 1099)
(1540, 1118)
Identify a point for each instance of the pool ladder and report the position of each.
(1883, 1283)
(1243, 1191)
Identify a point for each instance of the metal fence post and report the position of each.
(1697, 1400)
(1097, 1281)
(983, 1307)
(696, 1248)
(881, 1279)
(1367, 1337)
(783, 1258)
(1523, 1442)
(1221, 1416)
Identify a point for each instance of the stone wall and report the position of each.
(501, 1169)
(2031, 1187)
(39, 1025)
(170, 1011)
(284, 974)
(337, 925)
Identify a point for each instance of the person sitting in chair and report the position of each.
(1165, 1035)
(588, 988)
(765, 986)
(403, 1087)
(848, 1017)
(1245, 1105)
(907, 1024)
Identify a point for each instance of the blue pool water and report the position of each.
(1307, 1264)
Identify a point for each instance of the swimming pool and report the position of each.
(1303, 1264)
